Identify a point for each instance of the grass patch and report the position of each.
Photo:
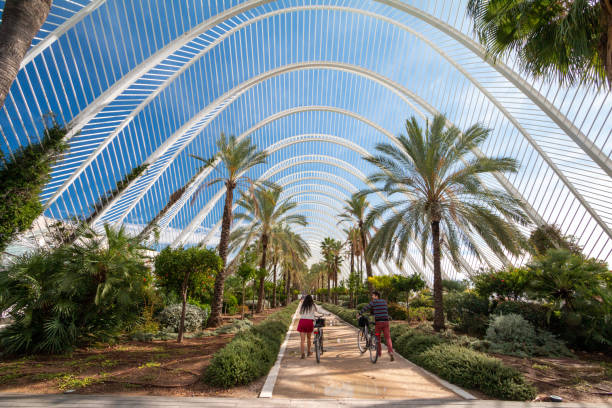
(150, 364)
(541, 367)
(71, 382)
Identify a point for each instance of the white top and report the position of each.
(310, 314)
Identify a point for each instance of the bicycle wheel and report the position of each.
(361, 340)
(373, 349)
(318, 347)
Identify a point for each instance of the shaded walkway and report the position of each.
(345, 373)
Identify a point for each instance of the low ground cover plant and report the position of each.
(251, 353)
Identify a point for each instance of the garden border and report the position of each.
(268, 387)
(454, 388)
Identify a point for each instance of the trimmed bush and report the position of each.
(473, 369)
(251, 353)
(411, 344)
(170, 317)
(513, 335)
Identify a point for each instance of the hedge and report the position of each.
(251, 353)
(453, 362)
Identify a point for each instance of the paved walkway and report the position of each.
(346, 373)
(95, 401)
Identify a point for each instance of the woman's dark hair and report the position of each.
(307, 304)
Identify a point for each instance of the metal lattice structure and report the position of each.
(317, 83)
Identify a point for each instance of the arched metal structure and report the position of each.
(316, 83)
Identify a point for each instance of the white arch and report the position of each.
(580, 139)
(199, 121)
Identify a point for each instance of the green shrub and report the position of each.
(73, 295)
(412, 343)
(251, 353)
(397, 312)
(423, 299)
(420, 314)
(170, 317)
(513, 335)
(469, 312)
(535, 313)
(361, 305)
(476, 370)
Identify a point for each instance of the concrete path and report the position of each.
(95, 401)
(346, 373)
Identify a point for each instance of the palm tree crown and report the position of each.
(435, 192)
(237, 156)
(263, 211)
(355, 213)
(569, 40)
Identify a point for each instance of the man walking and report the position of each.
(378, 307)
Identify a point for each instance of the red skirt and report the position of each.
(305, 326)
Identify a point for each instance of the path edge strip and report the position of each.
(454, 388)
(268, 387)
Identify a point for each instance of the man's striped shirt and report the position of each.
(379, 310)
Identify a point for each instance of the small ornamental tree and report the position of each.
(187, 272)
(407, 284)
(508, 283)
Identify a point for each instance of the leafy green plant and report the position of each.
(420, 314)
(76, 294)
(21, 181)
(513, 335)
(538, 314)
(509, 283)
(476, 370)
(454, 285)
(580, 291)
(397, 312)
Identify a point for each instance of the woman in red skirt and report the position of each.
(306, 324)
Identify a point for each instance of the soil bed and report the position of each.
(130, 368)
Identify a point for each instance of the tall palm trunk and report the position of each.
(262, 266)
(352, 276)
(226, 224)
(367, 261)
(605, 46)
(288, 288)
(21, 20)
(329, 296)
(335, 284)
(274, 281)
(438, 323)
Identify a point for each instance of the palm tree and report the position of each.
(570, 40)
(352, 240)
(355, 213)
(263, 211)
(237, 157)
(438, 194)
(21, 20)
(294, 249)
(331, 249)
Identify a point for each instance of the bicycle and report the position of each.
(366, 339)
(318, 337)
